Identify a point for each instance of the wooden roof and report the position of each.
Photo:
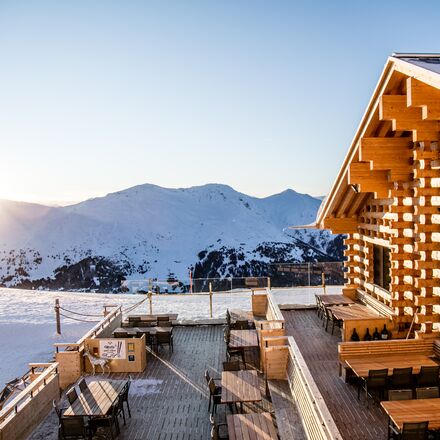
(404, 108)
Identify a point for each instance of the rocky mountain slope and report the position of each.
(149, 231)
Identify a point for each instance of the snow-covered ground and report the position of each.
(27, 317)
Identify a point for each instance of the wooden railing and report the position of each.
(24, 412)
(282, 359)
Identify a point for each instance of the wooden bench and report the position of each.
(369, 349)
(286, 413)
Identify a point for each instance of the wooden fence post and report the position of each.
(323, 281)
(268, 283)
(150, 299)
(57, 315)
(210, 300)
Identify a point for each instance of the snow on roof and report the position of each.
(429, 61)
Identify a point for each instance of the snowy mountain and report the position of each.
(150, 231)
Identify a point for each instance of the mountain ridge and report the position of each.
(150, 231)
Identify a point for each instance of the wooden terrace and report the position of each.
(169, 400)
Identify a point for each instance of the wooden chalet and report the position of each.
(386, 198)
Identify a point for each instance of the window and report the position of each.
(382, 265)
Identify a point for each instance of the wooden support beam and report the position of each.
(346, 225)
(368, 180)
(346, 201)
(422, 95)
(404, 118)
(392, 154)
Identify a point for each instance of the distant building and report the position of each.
(386, 197)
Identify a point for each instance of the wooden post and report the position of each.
(308, 272)
(323, 281)
(57, 315)
(150, 299)
(268, 283)
(210, 300)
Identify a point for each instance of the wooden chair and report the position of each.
(226, 335)
(228, 318)
(328, 317)
(376, 380)
(134, 318)
(231, 366)
(215, 393)
(123, 398)
(401, 378)
(165, 338)
(219, 431)
(231, 352)
(427, 393)
(410, 431)
(400, 394)
(241, 325)
(208, 377)
(73, 427)
(320, 309)
(72, 395)
(218, 388)
(59, 412)
(83, 385)
(163, 321)
(109, 422)
(428, 376)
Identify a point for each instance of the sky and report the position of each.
(100, 96)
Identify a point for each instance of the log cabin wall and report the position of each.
(388, 194)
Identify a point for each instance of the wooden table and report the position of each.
(251, 426)
(410, 411)
(133, 331)
(243, 339)
(335, 300)
(353, 312)
(361, 366)
(149, 318)
(240, 386)
(96, 400)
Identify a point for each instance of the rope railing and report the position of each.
(77, 319)
(78, 313)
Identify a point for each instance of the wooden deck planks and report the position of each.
(319, 348)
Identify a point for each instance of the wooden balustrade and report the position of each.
(24, 413)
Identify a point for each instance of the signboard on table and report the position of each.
(112, 349)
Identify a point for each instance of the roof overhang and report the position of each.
(377, 128)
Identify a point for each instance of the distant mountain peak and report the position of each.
(151, 231)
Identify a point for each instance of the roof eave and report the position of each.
(369, 111)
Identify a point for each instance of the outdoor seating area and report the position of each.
(93, 407)
(155, 337)
(208, 384)
(389, 387)
(239, 389)
(355, 321)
